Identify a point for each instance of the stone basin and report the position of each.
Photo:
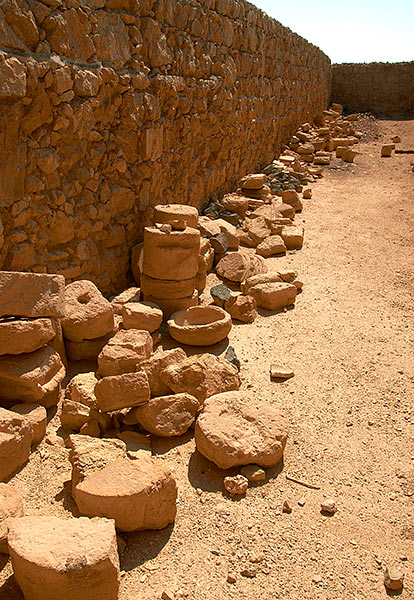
(200, 325)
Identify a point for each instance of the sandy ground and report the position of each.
(349, 340)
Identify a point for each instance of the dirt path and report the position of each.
(350, 342)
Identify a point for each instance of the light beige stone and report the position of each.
(166, 213)
(11, 505)
(235, 428)
(64, 559)
(273, 295)
(155, 366)
(172, 305)
(88, 315)
(292, 237)
(291, 197)
(132, 294)
(16, 436)
(171, 255)
(200, 325)
(201, 376)
(136, 494)
(18, 336)
(141, 315)
(33, 377)
(122, 391)
(31, 294)
(88, 455)
(270, 277)
(36, 416)
(168, 416)
(167, 288)
(270, 246)
(124, 352)
(238, 266)
(88, 349)
(253, 181)
(242, 308)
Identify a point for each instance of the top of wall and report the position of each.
(370, 64)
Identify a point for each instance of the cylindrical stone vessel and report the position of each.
(171, 256)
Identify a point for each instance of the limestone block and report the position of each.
(19, 336)
(242, 308)
(122, 391)
(253, 182)
(270, 277)
(167, 288)
(136, 494)
(171, 255)
(31, 294)
(270, 246)
(292, 197)
(235, 429)
(273, 296)
(89, 455)
(88, 314)
(165, 213)
(11, 505)
(172, 305)
(292, 237)
(168, 416)
(201, 376)
(124, 352)
(16, 436)
(88, 349)
(132, 294)
(36, 415)
(141, 315)
(238, 266)
(155, 366)
(65, 559)
(12, 80)
(33, 377)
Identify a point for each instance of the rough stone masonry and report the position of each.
(109, 107)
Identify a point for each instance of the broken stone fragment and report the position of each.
(168, 416)
(234, 429)
(155, 366)
(18, 336)
(167, 288)
(88, 315)
(221, 293)
(201, 376)
(236, 486)
(36, 415)
(292, 237)
(31, 294)
(33, 377)
(271, 277)
(136, 494)
(11, 505)
(16, 437)
(88, 455)
(386, 150)
(242, 308)
(271, 246)
(393, 579)
(280, 372)
(273, 296)
(238, 266)
(291, 197)
(253, 473)
(62, 559)
(124, 352)
(132, 294)
(253, 181)
(141, 315)
(122, 391)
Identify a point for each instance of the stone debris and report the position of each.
(253, 473)
(200, 325)
(386, 150)
(24, 335)
(157, 364)
(136, 494)
(132, 294)
(141, 315)
(280, 372)
(242, 308)
(328, 507)
(31, 295)
(124, 352)
(287, 507)
(273, 244)
(273, 295)
(202, 376)
(11, 505)
(236, 486)
(235, 429)
(168, 416)
(126, 390)
(47, 552)
(36, 415)
(16, 437)
(393, 579)
(239, 266)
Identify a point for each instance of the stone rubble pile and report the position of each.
(135, 388)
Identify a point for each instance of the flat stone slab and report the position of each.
(168, 416)
(122, 391)
(19, 336)
(31, 294)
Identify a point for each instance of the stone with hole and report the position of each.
(88, 315)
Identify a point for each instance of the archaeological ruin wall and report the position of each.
(380, 88)
(109, 107)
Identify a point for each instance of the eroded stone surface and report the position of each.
(124, 352)
(235, 428)
(36, 416)
(18, 336)
(16, 436)
(156, 365)
(141, 315)
(31, 294)
(65, 559)
(168, 416)
(200, 325)
(11, 505)
(88, 315)
(122, 391)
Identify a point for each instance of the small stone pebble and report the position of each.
(250, 573)
(328, 507)
(302, 501)
(253, 473)
(231, 578)
(286, 508)
(236, 486)
(393, 579)
(280, 372)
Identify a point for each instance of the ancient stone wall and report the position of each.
(108, 107)
(381, 88)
